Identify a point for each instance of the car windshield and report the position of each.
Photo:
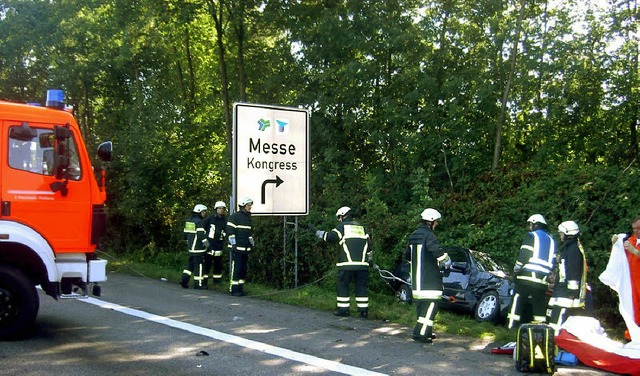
(485, 263)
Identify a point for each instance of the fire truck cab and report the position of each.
(52, 210)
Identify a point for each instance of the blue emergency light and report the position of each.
(55, 98)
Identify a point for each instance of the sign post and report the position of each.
(271, 163)
(271, 158)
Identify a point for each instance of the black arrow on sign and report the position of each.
(277, 180)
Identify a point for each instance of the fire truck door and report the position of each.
(62, 217)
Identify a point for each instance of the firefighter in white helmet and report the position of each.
(215, 225)
(532, 270)
(353, 261)
(570, 289)
(197, 244)
(241, 244)
(427, 263)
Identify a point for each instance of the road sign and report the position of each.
(271, 158)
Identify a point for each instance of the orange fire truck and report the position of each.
(52, 212)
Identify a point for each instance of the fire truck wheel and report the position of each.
(19, 303)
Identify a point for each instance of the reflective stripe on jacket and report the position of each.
(239, 227)
(571, 288)
(216, 226)
(536, 257)
(355, 243)
(425, 256)
(195, 234)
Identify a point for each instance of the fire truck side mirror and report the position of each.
(105, 150)
(61, 158)
(61, 133)
(61, 165)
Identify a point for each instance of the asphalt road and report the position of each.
(150, 327)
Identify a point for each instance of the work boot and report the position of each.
(185, 285)
(341, 313)
(422, 339)
(364, 314)
(235, 290)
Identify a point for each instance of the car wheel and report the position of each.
(404, 293)
(488, 307)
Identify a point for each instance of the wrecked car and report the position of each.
(477, 284)
(474, 283)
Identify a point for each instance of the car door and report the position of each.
(456, 280)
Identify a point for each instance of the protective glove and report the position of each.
(320, 234)
(517, 267)
(311, 228)
(253, 243)
(444, 263)
(369, 258)
(205, 242)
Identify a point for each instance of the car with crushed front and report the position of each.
(477, 284)
(474, 283)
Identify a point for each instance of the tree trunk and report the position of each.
(217, 14)
(497, 151)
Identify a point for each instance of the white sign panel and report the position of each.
(271, 158)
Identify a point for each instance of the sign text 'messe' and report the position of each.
(273, 148)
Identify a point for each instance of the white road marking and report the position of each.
(263, 347)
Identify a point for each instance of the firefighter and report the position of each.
(197, 244)
(428, 261)
(215, 225)
(353, 261)
(570, 289)
(241, 244)
(532, 270)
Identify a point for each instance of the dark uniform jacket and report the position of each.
(195, 234)
(570, 288)
(427, 260)
(239, 227)
(355, 245)
(215, 225)
(535, 258)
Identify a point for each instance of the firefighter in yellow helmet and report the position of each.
(197, 244)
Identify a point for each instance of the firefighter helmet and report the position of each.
(569, 228)
(343, 211)
(245, 201)
(537, 219)
(199, 208)
(430, 215)
(220, 204)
